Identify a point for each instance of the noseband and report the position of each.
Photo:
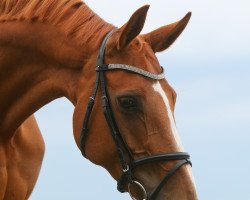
(127, 179)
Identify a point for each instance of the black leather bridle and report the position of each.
(127, 179)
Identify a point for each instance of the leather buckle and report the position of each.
(102, 67)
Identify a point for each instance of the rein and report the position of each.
(127, 179)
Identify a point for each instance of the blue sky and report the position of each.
(209, 68)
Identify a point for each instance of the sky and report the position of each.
(209, 67)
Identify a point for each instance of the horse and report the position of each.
(51, 49)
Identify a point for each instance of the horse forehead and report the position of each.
(157, 87)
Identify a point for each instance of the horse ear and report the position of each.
(164, 37)
(133, 27)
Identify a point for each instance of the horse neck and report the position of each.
(38, 64)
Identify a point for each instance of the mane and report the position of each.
(73, 17)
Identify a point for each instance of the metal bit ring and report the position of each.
(141, 187)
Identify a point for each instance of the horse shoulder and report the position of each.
(20, 161)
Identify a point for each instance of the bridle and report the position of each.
(127, 179)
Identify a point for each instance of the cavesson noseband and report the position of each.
(127, 179)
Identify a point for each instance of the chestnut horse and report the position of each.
(48, 50)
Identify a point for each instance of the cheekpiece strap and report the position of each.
(100, 58)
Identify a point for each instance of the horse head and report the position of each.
(143, 110)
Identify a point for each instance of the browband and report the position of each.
(132, 69)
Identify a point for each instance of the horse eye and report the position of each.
(127, 102)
